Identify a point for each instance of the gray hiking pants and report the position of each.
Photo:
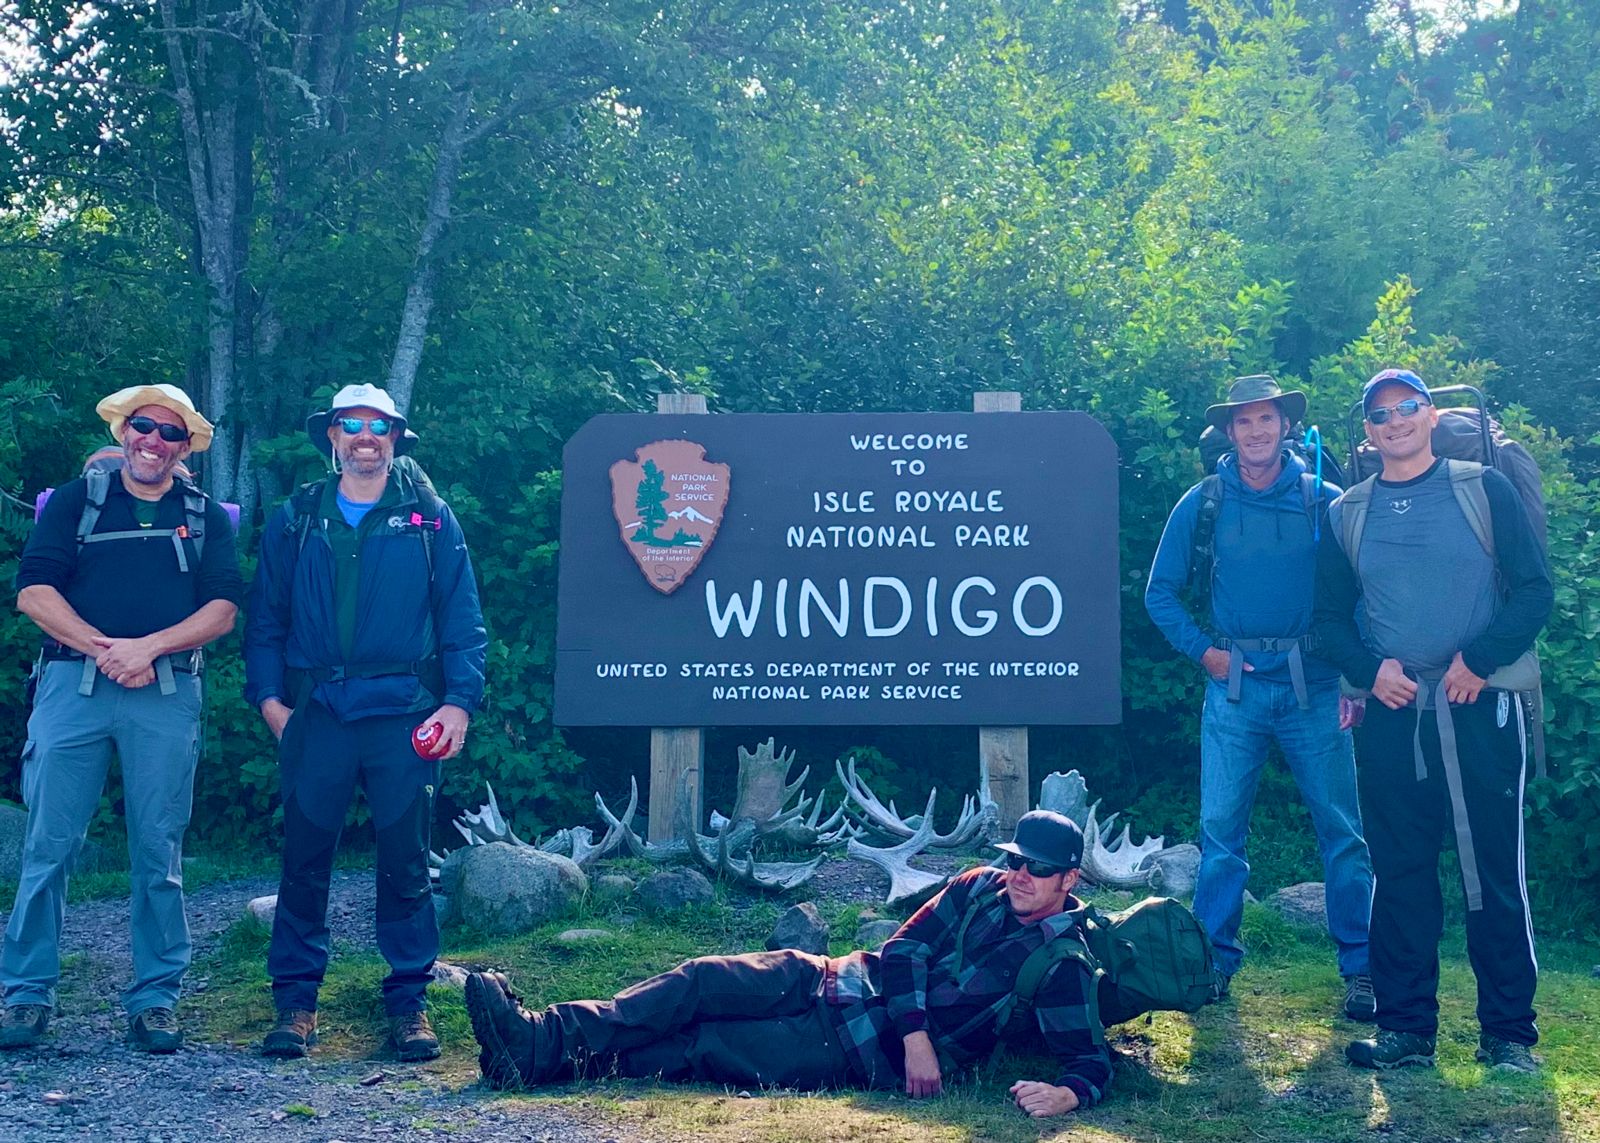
(64, 766)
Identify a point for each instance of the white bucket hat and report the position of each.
(117, 408)
(357, 397)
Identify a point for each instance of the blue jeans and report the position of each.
(1233, 749)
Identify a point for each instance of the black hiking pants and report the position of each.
(752, 1019)
(1407, 820)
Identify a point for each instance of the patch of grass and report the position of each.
(1268, 1065)
(300, 1109)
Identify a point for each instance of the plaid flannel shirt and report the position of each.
(915, 984)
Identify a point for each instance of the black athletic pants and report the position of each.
(1406, 822)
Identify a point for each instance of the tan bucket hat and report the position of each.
(117, 408)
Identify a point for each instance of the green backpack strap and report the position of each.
(1466, 481)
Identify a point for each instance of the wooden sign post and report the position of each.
(1003, 750)
(677, 753)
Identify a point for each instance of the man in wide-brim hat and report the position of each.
(129, 571)
(364, 625)
(1243, 541)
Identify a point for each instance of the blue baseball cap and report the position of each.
(1392, 377)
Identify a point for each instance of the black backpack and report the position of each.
(425, 522)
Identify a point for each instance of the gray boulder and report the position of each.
(872, 934)
(612, 887)
(449, 975)
(801, 927)
(502, 888)
(670, 890)
(263, 910)
(1304, 905)
(1178, 870)
(580, 936)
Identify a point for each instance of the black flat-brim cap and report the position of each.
(1044, 835)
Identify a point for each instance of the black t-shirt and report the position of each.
(130, 587)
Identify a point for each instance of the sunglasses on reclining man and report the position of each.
(1015, 861)
(378, 426)
(172, 434)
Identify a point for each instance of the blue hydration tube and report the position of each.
(1313, 446)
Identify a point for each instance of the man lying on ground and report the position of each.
(935, 999)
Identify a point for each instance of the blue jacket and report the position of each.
(1264, 575)
(394, 617)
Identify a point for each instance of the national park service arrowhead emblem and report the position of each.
(668, 502)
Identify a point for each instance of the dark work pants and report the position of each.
(752, 1019)
(1406, 823)
(321, 761)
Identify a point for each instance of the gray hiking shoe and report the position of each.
(293, 1034)
(155, 1030)
(1221, 983)
(1392, 1050)
(1360, 1002)
(23, 1025)
(1505, 1056)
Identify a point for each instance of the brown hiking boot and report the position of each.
(23, 1025)
(293, 1034)
(155, 1030)
(413, 1037)
(505, 1030)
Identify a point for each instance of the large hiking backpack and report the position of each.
(1150, 957)
(1469, 440)
(1321, 466)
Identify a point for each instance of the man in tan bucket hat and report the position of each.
(128, 573)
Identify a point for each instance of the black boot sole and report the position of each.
(486, 996)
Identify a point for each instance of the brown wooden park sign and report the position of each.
(837, 569)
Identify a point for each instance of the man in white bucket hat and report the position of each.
(128, 573)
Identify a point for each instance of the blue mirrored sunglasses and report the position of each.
(378, 426)
(1380, 414)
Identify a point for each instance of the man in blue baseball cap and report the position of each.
(1431, 589)
(901, 1018)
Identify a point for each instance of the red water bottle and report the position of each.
(426, 739)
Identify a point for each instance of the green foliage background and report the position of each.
(833, 206)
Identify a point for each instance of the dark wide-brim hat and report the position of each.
(1044, 835)
(359, 397)
(1249, 390)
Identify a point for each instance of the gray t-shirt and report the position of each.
(1428, 587)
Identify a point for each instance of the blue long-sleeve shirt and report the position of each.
(1264, 574)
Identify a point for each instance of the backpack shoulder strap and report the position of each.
(303, 507)
(1353, 507)
(194, 511)
(1466, 481)
(1038, 965)
(98, 481)
(1203, 549)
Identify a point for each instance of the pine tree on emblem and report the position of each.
(650, 501)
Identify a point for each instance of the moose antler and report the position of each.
(871, 814)
(1122, 864)
(904, 881)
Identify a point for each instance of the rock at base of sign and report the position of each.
(449, 975)
(610, 888)
(1304, 905)
(263, 910)
(801, 927)
(673, 889)
(1178, 869)
(501, 888)
(872, 934)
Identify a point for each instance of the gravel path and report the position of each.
(85, 1083)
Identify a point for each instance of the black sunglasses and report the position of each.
(1015, 861)
(1380, 414)
(172, 434)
